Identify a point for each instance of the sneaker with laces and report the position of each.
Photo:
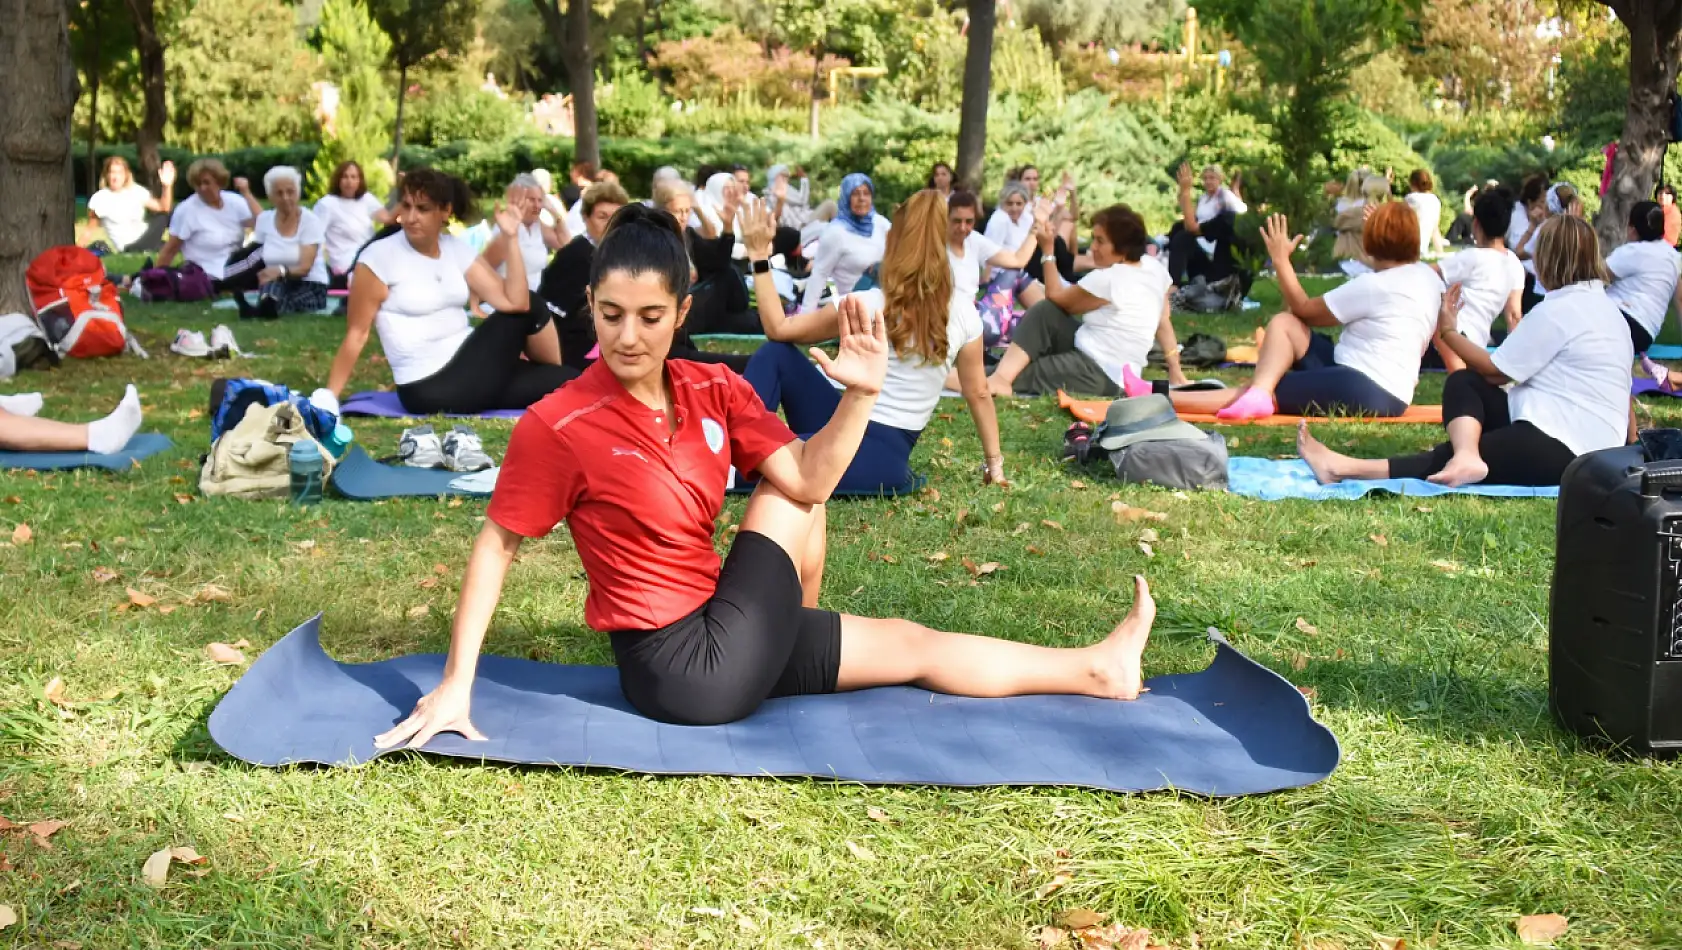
(223, 344)
(463, 452)
(420, 448)
(190, 343)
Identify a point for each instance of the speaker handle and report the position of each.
(1660, 477)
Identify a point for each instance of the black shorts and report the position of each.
(1638, 336)
(752, 641)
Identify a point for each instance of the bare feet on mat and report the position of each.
(1319, 457)
(1461, 470)
(1120, 666)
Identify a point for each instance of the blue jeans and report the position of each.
(785, 379)
(1317, 385)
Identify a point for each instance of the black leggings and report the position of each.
(751, 641)
(487, 372)
(1517, 453)
(240, 273)
(1186, 259)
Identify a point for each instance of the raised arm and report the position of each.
(811, 326)
(1072, 298)
(1019, 258)
(367, 293)
(166, 193)
(1188, 204)
(1276, 234)
(243, 186)
(507, 293)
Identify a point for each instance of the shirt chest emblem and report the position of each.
(714, 434)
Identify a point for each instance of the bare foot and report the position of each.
(1461, 470)
(1321, 459)
(1119, 670)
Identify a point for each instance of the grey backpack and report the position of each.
(1176, 463)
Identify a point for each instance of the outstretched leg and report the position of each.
(893, 652)
(1284, 343)
(1466, 466)
(21, 433)
(1331, 467)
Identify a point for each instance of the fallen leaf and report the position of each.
(213, 594)
(1077, 484)
(168, 609)
(22, 534)
(428, 583)
(53, 692)
(5, 864)
(1036, 550)
(1307, 627)
(103, 575)
(13, 500)
(419, 611)
(877, 814)
(1379, 540)
(1024, 526)
(707, 912)
(1080, 918)
(1389, 943)
(962, 514)
(1124, 513)
(6, 824)
(1050, 937)
(860, 851)
(746, 923)
(1146, 548)
(138, 599)
(1423, 509)
(66, 945)
(938, 557)
(305, 545)
(454, 503)
(1447, 566)
(155, 872)
(1299, 661)
(889, 559)
(1047, 522)
(933, 493)
(1149, 535)
(998, 507)
(1309, 692)
(8, 916)
(1542, 929)
(224, 654)
(1058, 881)
(187, 855)
(440, 570)
(181, 499)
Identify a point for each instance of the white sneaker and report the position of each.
(463, 452)
(420, 447)
(190, 343)
(223, 344)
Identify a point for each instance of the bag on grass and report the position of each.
(252, 460)
(1199, 350)
(23, 345)
(184, 284)
(1147, 443)
(77, 307)
(230, 398)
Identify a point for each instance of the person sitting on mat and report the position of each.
(209, 227)
(1208, 218)
(971, 252)
(1644, 273)
(850, 244)
(1125, 303)
(22, 429)
(634, 457)
(120, 207)
(537, 240)
(286, 263)
(1387, 318)
(1569, 361)
(412, 288)
(932, 326)
(1491, 278)
(350, 213)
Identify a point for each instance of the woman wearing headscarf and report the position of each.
(850, 244)
(720, 197)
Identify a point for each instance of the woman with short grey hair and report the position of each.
(536, 239)
(286, 261)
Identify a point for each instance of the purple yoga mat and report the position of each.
(1648, 387)
(387, 405)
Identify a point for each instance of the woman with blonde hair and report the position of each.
(209, 227)
(1568, 365)
(120, 207)
(930, 330)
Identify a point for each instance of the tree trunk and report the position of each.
(580, 64)
(1655, 48)
(93, 70)
(37, 102)
(152, 79)
(812, 115)
(978, 86)
(397, 128)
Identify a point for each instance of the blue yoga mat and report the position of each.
(387, 405)
(1235, 728)
(360, 478)
(735, 337)
(1275, 479)
(139, 447)
(1642, 386)
(1665, 351)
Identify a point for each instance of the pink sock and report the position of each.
(1132, 384)
(1251, 404)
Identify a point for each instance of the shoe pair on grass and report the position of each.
(460, 450)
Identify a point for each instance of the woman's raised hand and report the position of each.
(1184, 177)
(1276, 234)
(507, 220)
(758, 228)
(862, 363)
(1448, 315)
(166, 174)
(444, 709)
(242, 185)
(1043, 210)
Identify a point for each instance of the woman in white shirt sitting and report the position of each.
(931, 329)
(1644, 275)
(209, 227)
(290, 269)
(1125, 303)
(1428, 208)
(412, 288)
(1568, 364)
(850, 244)
(536, 240)
(1491, 278)
(1209, 219)
(1387, 318)
(349, 214)
(121, 207)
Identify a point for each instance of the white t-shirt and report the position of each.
(1571, 360)
(967, 267)
(121, 213)
(533, 252)
(1210, 207)
(1515, 234)
(912, 388)
(349, 223)
(424, 318)
(1388, 318)
(1644, 275)
(1007, 233)
(1429, 209)
(282, 251)
(843, 257)
(1487, 277)
(208, 235)
(1120, 333)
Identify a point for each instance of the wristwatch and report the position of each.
(762, 266)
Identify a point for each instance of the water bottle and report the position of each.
(339, 440)
(308, 468)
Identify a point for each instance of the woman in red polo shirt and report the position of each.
(635, 454)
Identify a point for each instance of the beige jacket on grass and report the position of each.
(250, 460)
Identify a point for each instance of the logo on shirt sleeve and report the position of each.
(714, 433)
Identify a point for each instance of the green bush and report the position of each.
(452, 110)
(631, 104)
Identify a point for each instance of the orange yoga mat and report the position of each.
(1092, 410)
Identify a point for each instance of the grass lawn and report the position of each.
(1458, 807)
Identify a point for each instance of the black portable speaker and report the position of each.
(1615, 629)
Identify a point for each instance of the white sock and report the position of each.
(22, 404)
(111, 433)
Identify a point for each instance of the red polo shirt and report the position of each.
(640, 499)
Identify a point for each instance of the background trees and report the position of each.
(36, 207)
(353, 50)
(417, 29)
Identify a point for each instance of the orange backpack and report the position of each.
(78, 307)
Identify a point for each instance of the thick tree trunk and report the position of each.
(978, 86)
(1655, 48)
(397, 127)
(152, 79)
(570, 32)
(37, 100)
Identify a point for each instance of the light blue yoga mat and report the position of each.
(1276, 479)
(139, 447)
(1235, 728)
(738, 337)
(1665, 351)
